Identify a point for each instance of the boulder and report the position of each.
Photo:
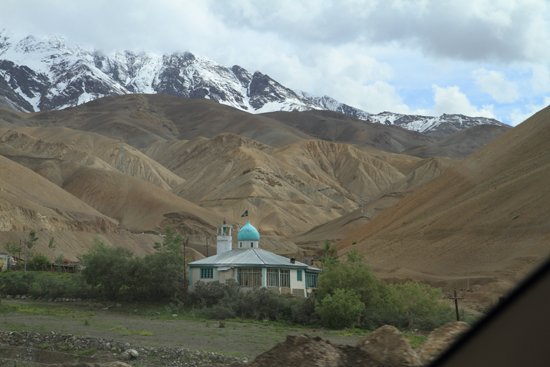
(440, 339)
(389, 347)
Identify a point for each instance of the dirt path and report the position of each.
(236, 338)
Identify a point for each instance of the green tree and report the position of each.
(31, 241)
(39, 262)
(12, 248)
(340, 310)
(353, 275)
(107, 268)
(172, 241)
(330, 256)
(417, 299)
(51, 244)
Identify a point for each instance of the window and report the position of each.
(207, 273)
(240, 244)
(285, 278)
(299, 275)
(311, 280)
(272, 277)
(250, 277)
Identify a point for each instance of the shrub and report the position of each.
(208, 294)
(354, 275)
(16, 282)
(39, 262)
(107, 268)
(303, 311)
(340, 310)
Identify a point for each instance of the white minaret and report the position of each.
(224, 241)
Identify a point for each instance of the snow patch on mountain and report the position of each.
(49, 74)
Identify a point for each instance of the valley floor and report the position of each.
(154, 326)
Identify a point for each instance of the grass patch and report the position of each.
(415, 340)
(127, 332)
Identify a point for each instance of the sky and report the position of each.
(486, 58)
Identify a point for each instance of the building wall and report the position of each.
(297, 287)
(294, 283)
(195, 276)
(223, 276)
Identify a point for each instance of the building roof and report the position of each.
(248, 233)
(251, 257)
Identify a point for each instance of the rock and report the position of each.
(389, 347)
(125, 356)
(134, 353)
(108, 346)
(175, 315)
(23, 297)
(440, 339)
(8, 297)
(118, 305)
(304, 350)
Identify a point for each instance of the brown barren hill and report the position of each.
(68, 142)
(143, 119)
(490, 212)
(138, 205)
(337, 127)
(422, 172)
(460, 144)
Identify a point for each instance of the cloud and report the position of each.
(501, 30)
(517, 116)
(496, 85)
(451, 100)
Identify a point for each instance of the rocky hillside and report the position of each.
(488, 213)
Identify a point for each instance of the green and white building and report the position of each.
(253, 267)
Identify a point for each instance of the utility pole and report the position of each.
(456, 298)
(185, 266)
(25, 244)
(468, 287)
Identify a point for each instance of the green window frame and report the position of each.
(312, 279)
(299, 275)
(250, 277)
(207, 273)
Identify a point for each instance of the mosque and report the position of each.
(251, 266)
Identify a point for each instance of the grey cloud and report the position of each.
(441, 29)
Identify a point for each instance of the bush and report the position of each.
(353, 275)
(48, 287)
(340, 310)
(107, 268)
(39, 262)
(303, 311)
(15, 283)
(208, 294)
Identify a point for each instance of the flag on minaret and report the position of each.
(245, 214)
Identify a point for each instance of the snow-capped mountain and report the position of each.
(437, 126)
(48, 74)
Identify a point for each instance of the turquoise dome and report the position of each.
(248, 233)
